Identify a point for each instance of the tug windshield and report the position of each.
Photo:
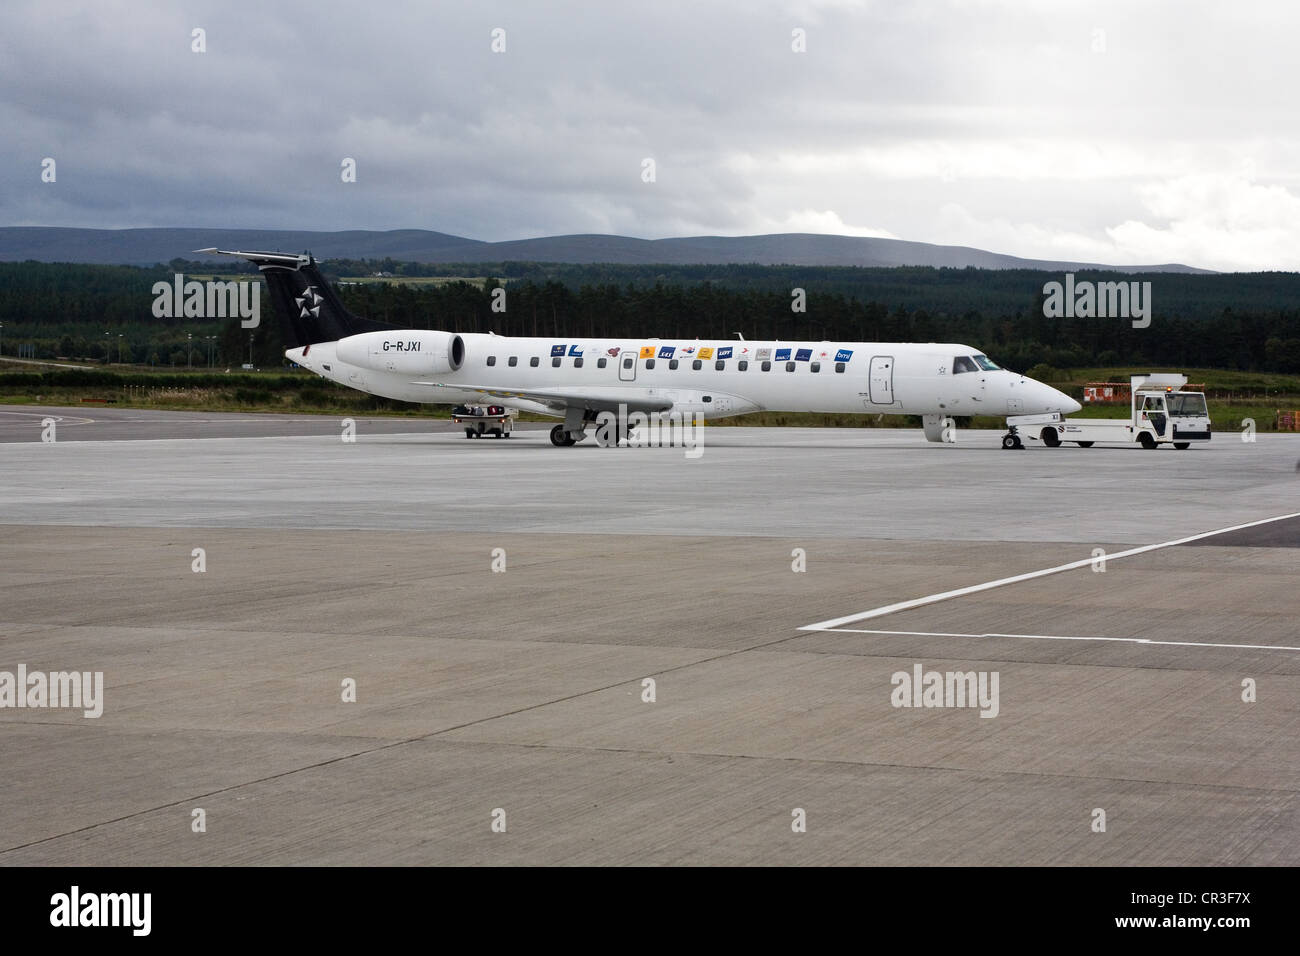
(1186, 404)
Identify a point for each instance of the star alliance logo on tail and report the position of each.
(309, 296)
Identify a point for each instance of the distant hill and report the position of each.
(150, 246)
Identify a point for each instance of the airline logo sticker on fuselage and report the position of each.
(843, 355)
(724, 353)
(666, 351)
(557, 351)
(647, 351)
(706, 353)
(782, 355)
(803, 355)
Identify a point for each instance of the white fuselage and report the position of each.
(690, 376)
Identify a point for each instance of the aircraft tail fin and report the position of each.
(307, 305)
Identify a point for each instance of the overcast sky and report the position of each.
(1123, 132)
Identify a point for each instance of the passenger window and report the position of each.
(534, 361)
(649, 363)
(697, 365)
(963, 364)
(767, 366)
(742, 365)
(789, 366)
(577, 363)
(601, 363)
(492, 360)
(514, 360)
(555, 362)
(839, 366)
(627, 362)
(720, 364)
(815, 367)
(672, 364)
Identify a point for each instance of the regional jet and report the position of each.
(578, 379)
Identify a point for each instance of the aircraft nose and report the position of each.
(1054, 400)
(1043, 398)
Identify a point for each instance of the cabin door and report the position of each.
(882, 380)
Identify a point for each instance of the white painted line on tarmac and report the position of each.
(1061, 637)
(1029, 576)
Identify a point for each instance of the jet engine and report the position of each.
(406, 351)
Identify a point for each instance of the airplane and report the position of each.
(578, 379)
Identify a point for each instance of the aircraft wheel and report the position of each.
(1009, 441)
(558, 436)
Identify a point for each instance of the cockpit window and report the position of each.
(962, 364)
(986, 363)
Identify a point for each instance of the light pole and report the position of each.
(119, 348)
(212, 351)
(250, 349)
(108, 352)
(189, 350)
(2, 338)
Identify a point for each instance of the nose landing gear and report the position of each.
(1012, 440)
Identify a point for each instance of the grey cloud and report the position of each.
(548, 137)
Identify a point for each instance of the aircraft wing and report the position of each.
(597, 399)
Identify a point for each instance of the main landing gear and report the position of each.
(563, 438)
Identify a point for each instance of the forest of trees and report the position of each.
(1247, 322)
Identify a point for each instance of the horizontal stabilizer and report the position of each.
(308, 307)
